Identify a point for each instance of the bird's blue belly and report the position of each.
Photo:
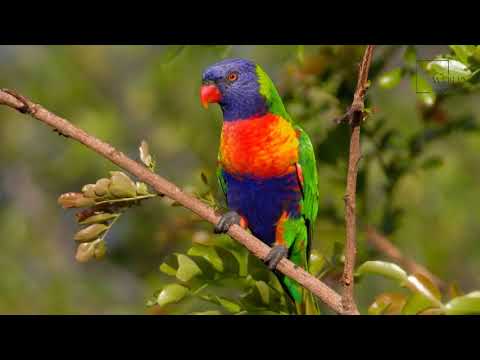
(262, 201)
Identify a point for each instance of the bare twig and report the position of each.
(354, 116)
(382, 244)
(162, 186)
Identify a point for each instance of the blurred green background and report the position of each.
(123, 94)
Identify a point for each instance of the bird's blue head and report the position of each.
(234, 84)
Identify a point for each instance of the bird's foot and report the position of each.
(277, 253)
(227, 220)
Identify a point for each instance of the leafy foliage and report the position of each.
(423, 298)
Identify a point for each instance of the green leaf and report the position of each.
(423, 89)
(391, 78)
(209, 254)
(463, 52)
(424, 286)
(208, 312)
(238, 251)
(316, 263)
(171, 293)
(449, 70)
(384, 268)
(416, 304)
(187, 268)
(458, 72)
(464, 305)
(228, 305)
(264, 291)
(167, 269)
(387, 303)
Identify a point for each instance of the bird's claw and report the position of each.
(227, 220)
(277, 253)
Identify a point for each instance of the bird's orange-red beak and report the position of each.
(209, 94)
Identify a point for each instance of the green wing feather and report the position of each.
(309, 208)
(221, 180)
(310, 180)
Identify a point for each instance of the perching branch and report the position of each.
(354, 117)
(162, 186)
(382, 244)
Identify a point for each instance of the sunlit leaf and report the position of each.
(208, 312)
(171, 293)
(316, 263)
(464, 305)
(429, 284)
(390, 79)
(387, 303)
(384, 268)
(187, 268)
(238, 251)
(167, 269)
(228, 305)
(463, 52)
(264, 291)
(424, 286)
(448, 70)
(424, 90)
(209, 254)
(416, 304)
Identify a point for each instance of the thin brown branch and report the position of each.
(382, 244)
(354, 117)
(162, 186)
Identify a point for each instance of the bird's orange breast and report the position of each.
(262, 147)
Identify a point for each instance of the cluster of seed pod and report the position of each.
(104, 202)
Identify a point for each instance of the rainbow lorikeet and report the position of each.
(266, 167)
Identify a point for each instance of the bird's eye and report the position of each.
(233, 76)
